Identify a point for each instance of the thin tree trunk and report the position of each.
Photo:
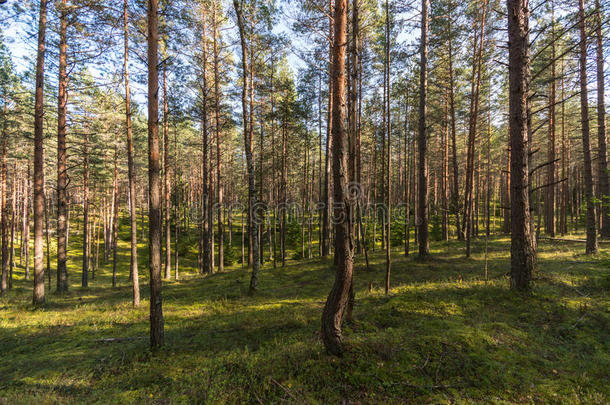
(205, 177)
(115, 213)
(422, 209)
(591, 245)
(549, 195)
(133, 264)
(26, 223)
(167, 184)
(388, 130)
(248, 146)
(3, 205)
(62, 174)
(327, 175)
(85, 267)
(154, 181)
(219, 183)
(604, 183)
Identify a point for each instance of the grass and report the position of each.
(442, 335)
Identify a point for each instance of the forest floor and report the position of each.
(443, 335)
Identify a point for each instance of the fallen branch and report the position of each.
(574, 240)
(286, 390)
(119, 339)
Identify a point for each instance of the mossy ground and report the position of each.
(443, 335)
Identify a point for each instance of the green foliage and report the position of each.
(436, 232)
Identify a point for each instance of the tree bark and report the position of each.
(591, 245)
(332, 315)
(238, 5)
(133, 264)
(167, 184)
(388, 130)
(205, 177)
(115, 213)
(85, 267)
(422, 205)
(604, 183)
(549, 195)
(154, 180)
(3, 205)
(219, 188)
(523, 255)
(62, 174)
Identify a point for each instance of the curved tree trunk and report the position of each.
(332, 315)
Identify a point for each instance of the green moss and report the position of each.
(444, 334)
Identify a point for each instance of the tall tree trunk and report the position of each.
(205, 177)
(455, 192)
(327, 175)
(388, 130)
(13, 216)
(604, 183)
(85, 267)
(154, 180)
(238, 5)
(591, 245)
(422, 206)
(332, 315)
(62, 174)
(219, 188)
(26, 222)
(3, 205)
(549, 195)
(115, 213)
(477, 62)
(523, 255)
(167, 184)
(133, 264)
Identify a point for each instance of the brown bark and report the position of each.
(591, 246)
(167, 199)
(332, 315)
(549, 195)
(523, 256)
(238, 5)
(455, 191)
(604, 183)
(422, 204)
(85, 267)
(62, 174)
(3, 205)
(115, 213)
(133, 264)
(388, 130)
(26, 222)
(154, 180)
(470, 185)
(327, 175)
(205, 177)
(219, 188)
